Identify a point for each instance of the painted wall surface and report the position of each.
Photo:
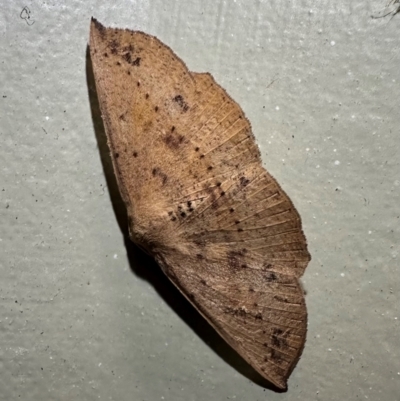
(84, 315)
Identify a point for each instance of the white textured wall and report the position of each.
(84, 315)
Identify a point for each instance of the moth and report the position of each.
(199, 200)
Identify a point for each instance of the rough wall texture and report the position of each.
(84, 314)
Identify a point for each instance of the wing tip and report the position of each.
(95, 24)
(97, 32)
(280, 384)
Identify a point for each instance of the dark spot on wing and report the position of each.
(171, 215)
(283, 335)
(244, 181)
(181, 102)
(270, 277)
(174, 140)
(127, 57)
(136, 62)
(234, 259)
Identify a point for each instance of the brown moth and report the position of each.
(198, 199)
